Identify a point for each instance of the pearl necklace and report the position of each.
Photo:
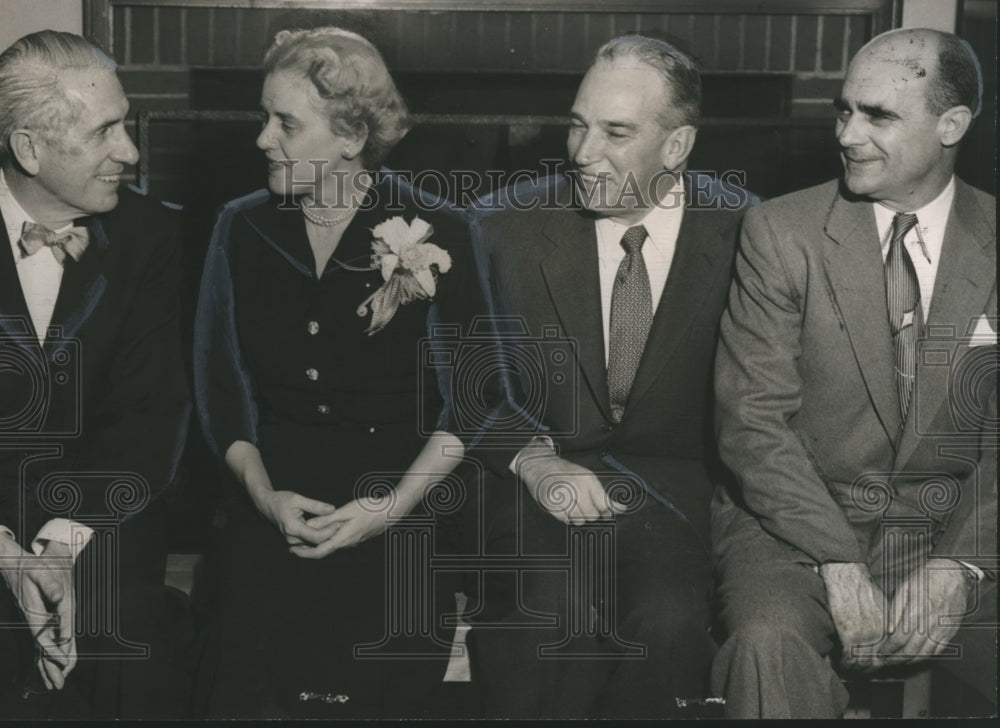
(328, 221)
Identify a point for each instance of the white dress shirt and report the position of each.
(662, 224)
(40, 275)
(923, 242)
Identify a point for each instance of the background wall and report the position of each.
(20, 17)
(770, 71)
(938, 14)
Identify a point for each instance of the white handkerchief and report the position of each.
(985, 333)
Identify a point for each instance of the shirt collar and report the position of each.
(931, 219)
(661, 222)
(14, 216)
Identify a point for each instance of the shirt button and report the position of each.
(323, 409)
(312, 374)
(313, 327)
(371, 430)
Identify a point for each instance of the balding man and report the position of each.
(857, 404)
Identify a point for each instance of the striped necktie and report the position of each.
(905, 313)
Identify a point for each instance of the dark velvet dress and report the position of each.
(283, 361)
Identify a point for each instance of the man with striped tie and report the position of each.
(856, 401)
(622, 292)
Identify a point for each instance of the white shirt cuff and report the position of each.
(536, 440)
(62, 530)
(977, 573)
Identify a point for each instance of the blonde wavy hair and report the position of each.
(353, 85)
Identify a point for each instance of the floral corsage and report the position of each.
(410, 268)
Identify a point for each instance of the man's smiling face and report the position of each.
(890, 141)
(80, 166)
(616, 140)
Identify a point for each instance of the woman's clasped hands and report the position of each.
(315, 529)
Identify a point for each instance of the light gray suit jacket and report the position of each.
(808, 414)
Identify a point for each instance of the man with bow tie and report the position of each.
(856, 387)
(93, 400)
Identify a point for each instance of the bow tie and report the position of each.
(70, 242)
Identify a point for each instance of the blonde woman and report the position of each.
(315, 297)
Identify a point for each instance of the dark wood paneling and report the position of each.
(731, 43)
(142, 36)
(171, 36)
(546, 45)
(832, 48)
(701, 39)
(806, 40)
(779, 54)
(199, 41)
(228, 25)
(755, 50)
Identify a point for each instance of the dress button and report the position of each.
(371, 430)
(313, 327)
(323, 409)
(312, 374)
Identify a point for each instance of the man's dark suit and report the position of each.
(809, 423)
(542, 268)
(106, 409)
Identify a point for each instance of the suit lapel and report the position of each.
(83, 284)
(698, 260)
(965, 280)
(572, 276)
(14, 317)
(856, 278)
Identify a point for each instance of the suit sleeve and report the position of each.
(759, 391)
(512, 426)
(469, 390)
(224, 397)
(140, 425)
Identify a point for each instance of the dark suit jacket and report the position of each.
(542, 270)
(807, 405)
(91, 423)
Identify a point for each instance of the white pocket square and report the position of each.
(984, 333)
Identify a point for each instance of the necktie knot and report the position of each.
(72, 242)
(902, 223)
(633, 239)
